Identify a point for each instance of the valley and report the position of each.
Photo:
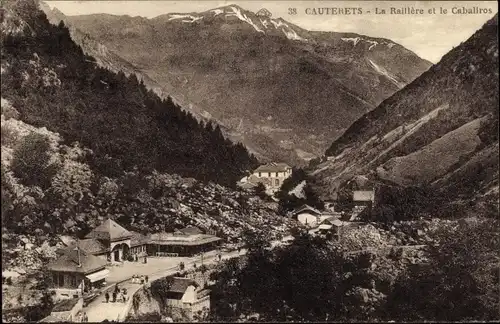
(226, 165)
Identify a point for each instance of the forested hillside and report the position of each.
(52, 84)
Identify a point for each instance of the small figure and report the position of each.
(136, 257)
(114, 296)
(85, 317)
(147, 278)
(106, 295)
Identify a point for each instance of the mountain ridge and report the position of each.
(448, 115)
(260, 78)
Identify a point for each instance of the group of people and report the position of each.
(118, 294)
(140, 279)
(84, 317)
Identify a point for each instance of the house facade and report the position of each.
(115, 240)
(271, 175)
(186, 299)
(307, 215)
(363, 203)
(75, 273)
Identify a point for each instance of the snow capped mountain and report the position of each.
(280, 89)
(260, 22)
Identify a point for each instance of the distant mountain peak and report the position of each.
(264, 12)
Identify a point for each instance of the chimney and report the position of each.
(78, 252)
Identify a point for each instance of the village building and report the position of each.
(186, 298)
(69, 310)
(115, 239)
(363, 203)
(138, 244)
(331, 225)
(113, 243)
(271, 175)
(181, 243)
(307, 215)
(76, 272)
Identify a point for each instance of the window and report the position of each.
(73, 281)
(55, 279)
(269, 174)
(61, 280)
(260, 174)
(277, 182)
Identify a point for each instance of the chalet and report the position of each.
(271, 175)
(307, 215)
(330, 225)
(186, 297)
(69, 310)
(76, 272)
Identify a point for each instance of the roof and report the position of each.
(305, 208)
(137, 239)
(67, 240)
(171, 239)
(246, 185)
(190, 230)
(109, 230)
(363, 195)
(68, 262)
(65, 305)
(273, 167)
(56, 318)
(91, 246)
(179, 285)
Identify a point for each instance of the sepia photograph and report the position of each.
(250, 161)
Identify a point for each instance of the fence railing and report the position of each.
(166, 254)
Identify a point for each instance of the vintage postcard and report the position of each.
(250, 161)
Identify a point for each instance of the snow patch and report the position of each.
(264, 23)
(390, 45)
(217, 11)
(383, 71)
(291, 34)
(353, 40)
(373, 44)
(185, 18)
(241, 16)
(278, 23)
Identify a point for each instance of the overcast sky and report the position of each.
(429, 35)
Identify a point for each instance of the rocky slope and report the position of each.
(439, 133)
(284, 91)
